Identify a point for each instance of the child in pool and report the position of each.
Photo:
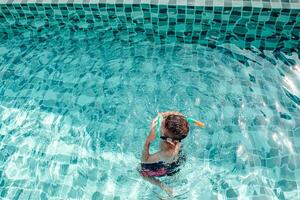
(173, 128)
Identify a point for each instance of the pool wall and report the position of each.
(246, 26)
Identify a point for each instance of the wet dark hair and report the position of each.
(177, 125)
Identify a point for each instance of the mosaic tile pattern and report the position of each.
(215, 3)
(53, 103)
(57, 141)
(247, 27)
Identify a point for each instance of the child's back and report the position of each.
(171, 127)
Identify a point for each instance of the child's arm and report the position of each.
(146, 157)
(146, 154)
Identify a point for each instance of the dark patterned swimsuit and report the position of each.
(161, 168)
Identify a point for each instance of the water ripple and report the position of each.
(75, 114)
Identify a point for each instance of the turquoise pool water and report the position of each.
(75, 113)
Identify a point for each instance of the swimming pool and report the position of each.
(80, 84)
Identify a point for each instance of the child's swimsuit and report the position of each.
(161, 168)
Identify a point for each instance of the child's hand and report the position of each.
(153, 123)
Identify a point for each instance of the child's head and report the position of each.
(176, 127)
